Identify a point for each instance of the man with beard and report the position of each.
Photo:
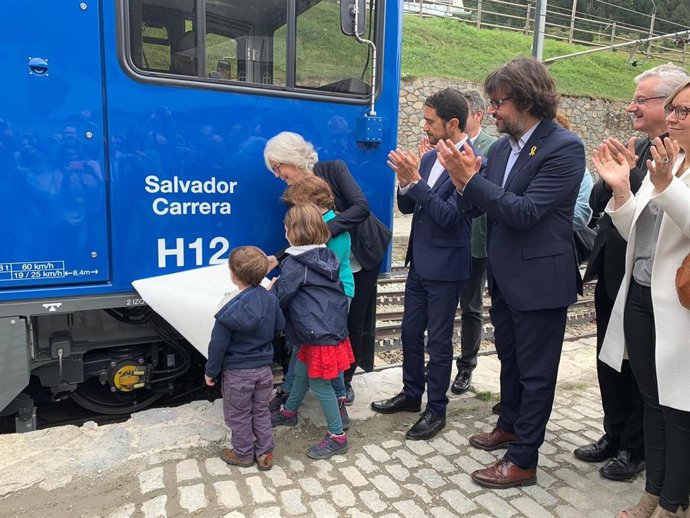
(439, 256)
(528, 192)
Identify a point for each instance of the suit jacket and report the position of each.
(608, 252)
(483, 143)
(530, 220)
(439, 244)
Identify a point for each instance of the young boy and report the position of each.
(241, 343)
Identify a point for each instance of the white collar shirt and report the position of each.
(516, 147)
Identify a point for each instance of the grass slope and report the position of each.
(434, 47)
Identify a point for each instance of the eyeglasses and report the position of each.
(276, 169)
(681, 112)
(497, 103)
(642, 100)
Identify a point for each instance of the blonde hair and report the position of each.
(249, 264)
(669, 100)
(290, 148)
(311, 189)
(304, 225)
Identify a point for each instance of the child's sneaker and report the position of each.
(279, 400)
(230, 457)
(328, 446)
(265, 462)
(343, 413)
(283, 417)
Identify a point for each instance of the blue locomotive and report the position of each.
(131, 140)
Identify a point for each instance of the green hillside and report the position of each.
(435, 47)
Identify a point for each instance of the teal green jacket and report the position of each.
(340, 245)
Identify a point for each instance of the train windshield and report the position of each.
(263, 43)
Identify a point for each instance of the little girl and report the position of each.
(313, 189)
(315, 307)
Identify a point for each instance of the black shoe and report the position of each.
(349, 394)
(496, 409)
(599, 451)
(622, 467)
(427, 426)
(398, 403)
(462, 382)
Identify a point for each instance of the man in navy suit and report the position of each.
(439, 256)
(528, 191)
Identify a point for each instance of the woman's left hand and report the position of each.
(660, 168)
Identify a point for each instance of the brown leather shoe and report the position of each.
(504, 474)
(493, 440)
(230, 457)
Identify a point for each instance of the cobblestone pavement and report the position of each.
(164, 462)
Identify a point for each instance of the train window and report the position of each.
(257, 43)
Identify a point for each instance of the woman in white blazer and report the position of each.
(648, 322)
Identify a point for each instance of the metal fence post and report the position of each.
(479, 14)
(572, 22)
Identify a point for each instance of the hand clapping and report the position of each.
(406, 166)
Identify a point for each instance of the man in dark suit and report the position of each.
(439, 256)
(472, 297)
(528, 191)
(622, 444)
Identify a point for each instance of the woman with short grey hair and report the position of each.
(291, 158)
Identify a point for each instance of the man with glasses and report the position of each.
(622, 444)
(528, 192)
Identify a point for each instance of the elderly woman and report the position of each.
(291, 158)
(648, 321)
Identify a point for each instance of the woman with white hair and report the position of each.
(291, 158)
(648, 321)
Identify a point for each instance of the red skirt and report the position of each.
(326, 361)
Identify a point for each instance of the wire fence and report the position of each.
(565, 25)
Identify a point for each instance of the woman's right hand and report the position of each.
(614, 170)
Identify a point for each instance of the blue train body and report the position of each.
(131, 140)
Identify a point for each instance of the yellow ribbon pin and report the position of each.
(533, 151)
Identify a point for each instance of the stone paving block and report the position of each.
(494, 503)
(294, 464)
(353, 512)
(443, 447)
(227, 494)
(420, 491)
(392, 444)
(468, 464)
(565, 511)
(420, 448)
(407, 458)
(386, 485)
(430, 478)
(234, 514)
(458, 501)
(377, 453)
(267, 512)
(539, 494)
(572, 478)
(324, 470)
(155, 508)
(372, 500)
(187, 470)
(125, 511)
(353, 476)
(364, 463)
(544, 479)
(409, 509)
(312, 486)
(441, 464)
(216, 467)
(193, 498)
(150, 480)
(465, 483)
(577, 499)
(342, 495)
(547, 449)
(546, 461)
(483, 457)
(260, 494)
(530, 507)
(571, 425)
(398, 472)
(323, 509)
(441, 512)
(292, 501)
(278, 477)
